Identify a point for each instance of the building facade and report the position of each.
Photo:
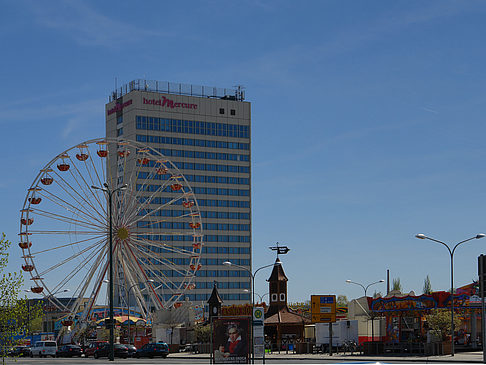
(206, 133)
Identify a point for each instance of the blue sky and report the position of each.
(367, 119)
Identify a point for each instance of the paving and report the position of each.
(458, 358)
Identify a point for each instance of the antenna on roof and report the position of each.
(239, 93)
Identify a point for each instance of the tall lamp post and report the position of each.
(365, 288)
(110, 193)
(451, 253)
(229, 263)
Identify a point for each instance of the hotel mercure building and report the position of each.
(206, 133)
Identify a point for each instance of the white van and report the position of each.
(44, 348)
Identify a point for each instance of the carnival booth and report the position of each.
(406, 325)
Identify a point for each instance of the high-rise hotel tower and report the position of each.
(206, 133)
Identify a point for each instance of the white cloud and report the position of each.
(86, 25)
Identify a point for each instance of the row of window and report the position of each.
(205, 297)
(201, 154)
(192, 127)
(207, 238)
(222, 273)
(200, 166)
(198, 178)
(201, 202)
(212, 167)
(204, 214)
(192, 142)
(200, 273)
(196, 190)
(185, 225)
(208, 285)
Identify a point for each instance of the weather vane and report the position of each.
(281, 250)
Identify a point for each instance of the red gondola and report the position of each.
(82, 156)
(37, 289)
(188, 204)
(196, 246)
(25, 245)
(63, 167)
(143, 161)
(34, 200)
(176, 187)
(194, 268)
(102, 153)
(195, 225)
(162, 171)
(27, 222)
(28, 268)
(123, 154)
(47, 180)
(67, 322)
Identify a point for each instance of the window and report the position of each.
(221, 110)
(282, 297)
(233, 112)
(274, 297)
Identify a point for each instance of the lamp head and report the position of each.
(480, 235)
(227, 263)
(348, 281)
(421, 236)
(381, 281)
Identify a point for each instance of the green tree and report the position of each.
(439, 322)
(203, 333)
(427, 286)
(15, 313)
(396, 285)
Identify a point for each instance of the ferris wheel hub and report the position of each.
(122, 233)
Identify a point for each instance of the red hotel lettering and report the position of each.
(119, 107)
(169, 103)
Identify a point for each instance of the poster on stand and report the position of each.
(231, 340)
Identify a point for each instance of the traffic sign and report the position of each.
(323, 308)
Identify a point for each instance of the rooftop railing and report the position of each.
(237, 93)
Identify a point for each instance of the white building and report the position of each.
(206, 133)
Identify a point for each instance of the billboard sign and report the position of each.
(231, 340)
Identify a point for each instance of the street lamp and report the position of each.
(259, 296)
(229, 263)
(110, 193)
(451, 253)
(365, 288)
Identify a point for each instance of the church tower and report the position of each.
(277, 284)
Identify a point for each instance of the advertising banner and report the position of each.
(231, 340)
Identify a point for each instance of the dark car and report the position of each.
(69, 351)
(152, 350)
(92, 347)
(21, 351)
(119, 351)
(132, 350)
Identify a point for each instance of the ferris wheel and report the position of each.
(156, 233)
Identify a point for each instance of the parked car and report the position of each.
(44, 348)
(119, 351)
(70, 351)
(132, 350)
(152, 350)
(92, 347)
(20, 351)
